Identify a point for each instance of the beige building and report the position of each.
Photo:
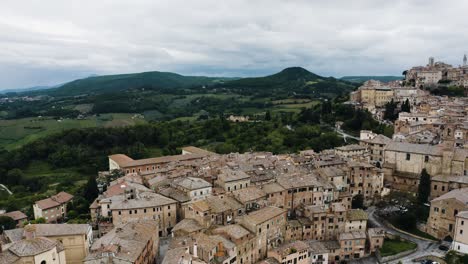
(32, 249)
(268, 224)
(444, 209)
(129, 165)
(146, 206)
(372, 95)
(356, 220)
(18, 216)
(294, 252)
(53, 208)
(231, 180)
(134, 242)
(352, 245)
(460, 238)
(75, 239)
(376, 237)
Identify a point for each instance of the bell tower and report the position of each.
(464, 60)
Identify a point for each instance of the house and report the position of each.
(75, 239)
(33, 249)
(53, 208)
(129, 165)
(194, 188)
(376, 237)
(268, 224)
(318, 252)
(293, 252)
(244, 240)
(18, 216)
(133, 242)
(352, 245)
(146, 206)
(443, 212)
(356, 220)
(460, 237)
(215, 210)
(231, 180)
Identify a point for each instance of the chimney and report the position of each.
(195, 250)
(29, 232)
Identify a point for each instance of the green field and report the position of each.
(17, 132)
(395, 246)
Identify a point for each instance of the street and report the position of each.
(425, 247)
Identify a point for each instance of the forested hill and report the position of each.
(146, 80)
(290, 81)
(361, 79)
(293, 81)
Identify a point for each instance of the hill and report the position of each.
(361, 79)
(114, 83)
(293, 81)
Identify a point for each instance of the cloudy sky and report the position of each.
(44, 42)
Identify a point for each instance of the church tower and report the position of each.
(464, 60)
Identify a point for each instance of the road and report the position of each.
(6, 189)
(425, 247)
(345, 135)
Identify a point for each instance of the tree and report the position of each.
(91, 190)
(405, 106)
(390, 111)
(358, 202)
(6, 223)
(424, 188)
(268, 115)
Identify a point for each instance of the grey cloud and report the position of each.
(55, 40)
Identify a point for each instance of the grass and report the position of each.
(17, 132)
(394, 246)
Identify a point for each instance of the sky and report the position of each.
(47, 42)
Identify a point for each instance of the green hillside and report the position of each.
(148, 80)
(293, 81)
(361, 79)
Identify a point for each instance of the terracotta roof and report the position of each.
(187, 225)
(233, 231)
(16, 215)
(356, 214)
(458, 194)
(126, 241)
(263, 215)
(248, 194)
(54, 201)
(32, 247)
(142, 200)
(352, 235)
(191, 183)
(121, 159)
(50, 230)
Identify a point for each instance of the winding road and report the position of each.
(425, 247)
(345, 135)
(5, 188)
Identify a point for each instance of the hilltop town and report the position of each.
(332, 206)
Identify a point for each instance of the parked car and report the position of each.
(443, 247)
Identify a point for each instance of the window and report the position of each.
(408, 156)
(426, 158)
(435, 187)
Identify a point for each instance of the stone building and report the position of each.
(443, 212)
(33, 250)
(18, 216)
(134, 242)
(53, 208)
(292, 252)
(460, 238)
(352, 245)
(376, 237)
(146, 206)
(268, 225)
(75, 239)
